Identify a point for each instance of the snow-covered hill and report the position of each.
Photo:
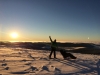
(35, 62)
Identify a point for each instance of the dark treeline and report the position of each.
(75, 45)
(88, 47)
(42, 44)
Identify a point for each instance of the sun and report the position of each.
(14, 35)
(88, 38)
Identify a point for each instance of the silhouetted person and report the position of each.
(53, 47)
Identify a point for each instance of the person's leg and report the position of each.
(72, 56)
(54, 52)
(51, 52)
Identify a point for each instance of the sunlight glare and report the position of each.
(14, 35)
(88, 38)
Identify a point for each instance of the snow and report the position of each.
(36, 62)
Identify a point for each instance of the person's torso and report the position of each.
(54, 44)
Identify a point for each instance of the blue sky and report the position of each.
(65, 20)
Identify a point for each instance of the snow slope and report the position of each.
(20, 61)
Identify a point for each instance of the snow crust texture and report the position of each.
(21, 61)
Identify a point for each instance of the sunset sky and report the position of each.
(64, 20)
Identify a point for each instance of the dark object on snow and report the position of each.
(66, 55)
(6, 68)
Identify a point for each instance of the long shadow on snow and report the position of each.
(80, 66)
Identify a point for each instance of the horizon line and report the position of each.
(57, 41)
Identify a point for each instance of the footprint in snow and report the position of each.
(48, 68)
(4, 64)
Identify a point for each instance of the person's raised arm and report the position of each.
(50, 39)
